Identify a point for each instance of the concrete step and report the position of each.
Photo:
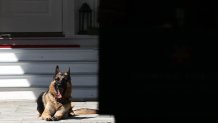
(29, 93)
(47, 67)
(44, 80)
(25, 112)
(30, 86)
(26, 72)
(46, 54)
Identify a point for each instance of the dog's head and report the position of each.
(61, 86)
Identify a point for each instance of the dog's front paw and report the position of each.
(54, 118)
(47, 118)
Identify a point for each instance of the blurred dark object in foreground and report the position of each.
(158, 61)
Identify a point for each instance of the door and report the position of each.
(31, 16)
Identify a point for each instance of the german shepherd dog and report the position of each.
(55, 103)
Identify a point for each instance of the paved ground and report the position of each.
(25, 112)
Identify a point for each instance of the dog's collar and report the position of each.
(62, 101)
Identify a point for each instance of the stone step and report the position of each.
(47, 67)
(52, 54)
(29, 93)
(44, 80)
(25, 112)
(26, 72)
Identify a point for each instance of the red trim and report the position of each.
(39, 46)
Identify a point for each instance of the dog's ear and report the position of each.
(68, 72)
(57, 70)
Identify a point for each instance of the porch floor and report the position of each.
(25, 112)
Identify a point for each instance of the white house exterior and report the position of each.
(26, 71)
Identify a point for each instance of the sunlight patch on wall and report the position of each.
(8, 57)
(11, 70)
(14, 83)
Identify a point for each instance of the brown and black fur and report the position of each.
(55, 103)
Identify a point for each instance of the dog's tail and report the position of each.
(83, 111)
